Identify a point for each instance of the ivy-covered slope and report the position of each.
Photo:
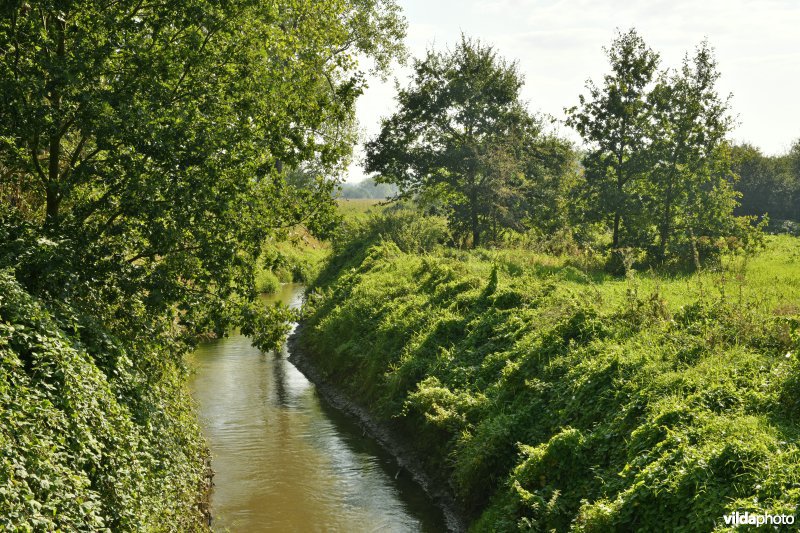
(80, 451)
(554, 398)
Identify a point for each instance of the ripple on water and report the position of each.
(284, 461)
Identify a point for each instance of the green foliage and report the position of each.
(769, 184)
(463, 138)
(296, 259)
(267, 326)
(553, 397)
(167, 141)
(658, 168)
(406, 227)
(614, 120)
(81, 450)
(148, 150)
(266, 282)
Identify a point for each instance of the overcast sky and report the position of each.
(558, 44)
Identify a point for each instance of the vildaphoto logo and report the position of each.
(747, 518)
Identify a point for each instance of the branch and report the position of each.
(188, 65)
(35, 159)
(151, 254)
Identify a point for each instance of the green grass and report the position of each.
(550, 395)
(296, 259)
(769, 280)
(359, 207)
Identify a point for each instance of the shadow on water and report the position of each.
(284, 460)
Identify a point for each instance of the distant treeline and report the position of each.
(768, 184)
(368, 189)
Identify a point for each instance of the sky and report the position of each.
(559, 45)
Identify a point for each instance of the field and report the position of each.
(357, 207)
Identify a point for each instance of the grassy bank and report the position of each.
(549, 395)
(295, 259)
(298, 257)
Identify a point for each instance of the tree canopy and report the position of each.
(770, 185)
(613, 121)
(149, 142)
(147, 150)
(463, 135)
(658, 167)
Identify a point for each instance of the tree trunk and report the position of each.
(666, 223)
(54, 145)
(695, 253)
(620, 189)
(52, 205)
(473, 213)
(476, 230)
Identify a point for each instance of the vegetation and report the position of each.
(656, 173)
(368, 188)
(551, 395)
(463, 139)
(150, 153)
(658, 170)
(163, 162)
(616, 121)
(769, 186)
(94, 433)
(297, 258)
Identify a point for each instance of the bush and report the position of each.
(409, 229)
(267, 282)
(80, 450)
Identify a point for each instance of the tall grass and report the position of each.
(550, 395)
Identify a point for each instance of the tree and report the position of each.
(768, 184)
(691, 169)
(462, 134)
(149, 141)
(794, 158)
(613, 120)
(658, 166)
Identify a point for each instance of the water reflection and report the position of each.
(283, 460)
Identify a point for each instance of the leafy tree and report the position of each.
(462, 135)
(691, 175)
(147, 148)
(148, 140)
(614, 120)
(658, 166)
(768, 184)
(794, 157)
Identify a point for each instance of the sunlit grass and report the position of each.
(549, 392)
(360, 206)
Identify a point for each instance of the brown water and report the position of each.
(284, 460)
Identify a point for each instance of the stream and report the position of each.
(283, 459)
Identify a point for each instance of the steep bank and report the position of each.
(386, 434)
(551, 397)
(93, 434)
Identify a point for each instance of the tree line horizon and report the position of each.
(657, 172)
